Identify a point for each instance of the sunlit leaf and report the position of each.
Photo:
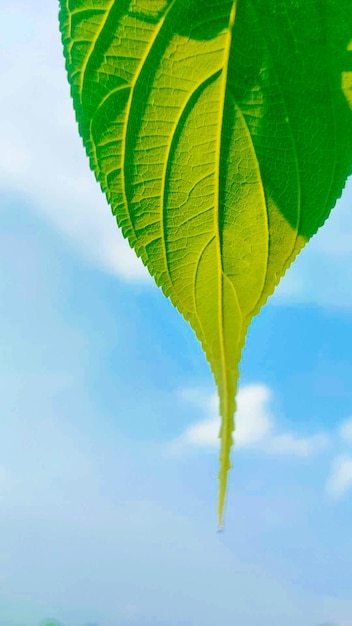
(221, 133)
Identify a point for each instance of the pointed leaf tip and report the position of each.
(221, 133)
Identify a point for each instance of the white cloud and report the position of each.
(340, 479)
(41, 154)
(255, 425)
(298, 446)
(253, 418)
(345, 430)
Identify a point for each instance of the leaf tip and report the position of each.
(227, 413)
(222, 497)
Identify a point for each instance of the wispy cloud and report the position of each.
(41, 154)
(323, 270)
(345, 430)
(255, 425)
(340, 479)
(288, 443)
(339, 482)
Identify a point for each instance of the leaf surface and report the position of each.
(221, 133)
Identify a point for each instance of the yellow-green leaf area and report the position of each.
(221, 133)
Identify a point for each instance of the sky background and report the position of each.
(108, 417)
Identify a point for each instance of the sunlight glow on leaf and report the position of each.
(221, 133)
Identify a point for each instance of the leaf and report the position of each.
(221, 133)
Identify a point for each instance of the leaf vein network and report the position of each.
(126, 140)
(179, 125)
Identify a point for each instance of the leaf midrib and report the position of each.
(226, 432)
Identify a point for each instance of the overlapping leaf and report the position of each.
(221, 133)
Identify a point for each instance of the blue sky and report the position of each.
(108, 453)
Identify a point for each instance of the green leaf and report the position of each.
(221, 133)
